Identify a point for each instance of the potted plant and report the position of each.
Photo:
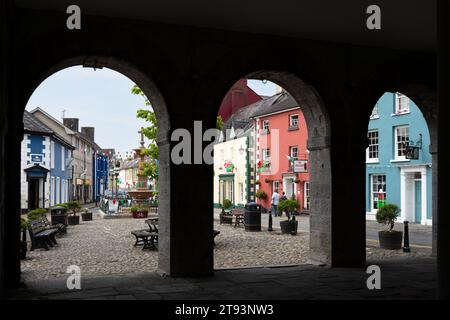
(226, 217)
(261, 195)
(389, 239)
(289, 206)
(74, 207)
(24, 225)
(138, 212)
(86, 215)
(36, 214)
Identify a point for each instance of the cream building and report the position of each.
(232, 169)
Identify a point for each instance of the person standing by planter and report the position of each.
(275, 201)
(282, 198)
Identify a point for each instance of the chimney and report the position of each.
(88, 132)
(71, 123)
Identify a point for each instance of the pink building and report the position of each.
(281, 155)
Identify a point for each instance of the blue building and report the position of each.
(46, 173)
(392, 174)
(101, 163)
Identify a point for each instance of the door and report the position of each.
(289, 187)
(417, 201)
(33, 194)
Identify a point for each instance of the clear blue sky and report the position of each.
(101, 99)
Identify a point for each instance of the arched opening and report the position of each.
(273, 143)
(95, 245)
(401, 176)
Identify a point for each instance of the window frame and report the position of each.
(291, 116)
(397, 142)
(398, 102)
(368, 151)
(373, 192)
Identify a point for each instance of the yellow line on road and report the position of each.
(411, 245)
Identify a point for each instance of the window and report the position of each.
(63, 165)
(293, 120)
(306, 195)
(378, 191)
(241, 192)
(276, 186)
(372, 150)
(401, 141)
(293, 152)
(266, 154)
(230, 187)
(265, 127)
(52, 155)
(374, 114)
(401, 103)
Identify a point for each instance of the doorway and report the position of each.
(33, 194)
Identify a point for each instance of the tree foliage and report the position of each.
(150, 168)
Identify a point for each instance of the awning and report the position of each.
(36, 171)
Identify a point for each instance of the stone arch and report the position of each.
(425, 97)
(154, 95)
(319, 146)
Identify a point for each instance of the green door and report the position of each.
(418, 201)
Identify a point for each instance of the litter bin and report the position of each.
(59, 215)
(252, 217)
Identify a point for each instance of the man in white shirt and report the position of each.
(275, 201)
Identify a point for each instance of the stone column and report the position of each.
(443, 223)
(320, 206)
(186, 231)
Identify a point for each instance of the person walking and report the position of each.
(275, 201)
(282, 198)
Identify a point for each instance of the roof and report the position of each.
(242, 118)
(38, 109)
(34, 125)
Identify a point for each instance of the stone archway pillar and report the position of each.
(443, 221)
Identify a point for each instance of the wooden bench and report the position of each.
(41, 235)
(238, 216)
(226, 217)
(147, 238)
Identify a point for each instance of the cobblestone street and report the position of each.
(105, 247)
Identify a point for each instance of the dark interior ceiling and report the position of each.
(406, 24)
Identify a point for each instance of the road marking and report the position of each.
(411, 245)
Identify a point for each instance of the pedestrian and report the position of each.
(275, 201)
(282, 198)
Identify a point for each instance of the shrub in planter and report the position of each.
(86, 215)
(226, 204)
(139, 212)
(291, 224)
(74, 207)
(389, 239)
(36, 214)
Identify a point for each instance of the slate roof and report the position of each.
(242, 118)
(34, 125)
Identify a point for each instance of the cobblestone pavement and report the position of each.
(105, 247)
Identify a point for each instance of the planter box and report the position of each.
(73, 220)
(391, 240)
(87, 216)
(287, 226)
(140, 214)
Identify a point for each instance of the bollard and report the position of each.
(270, 222)
(406, 238)
(294, 229)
